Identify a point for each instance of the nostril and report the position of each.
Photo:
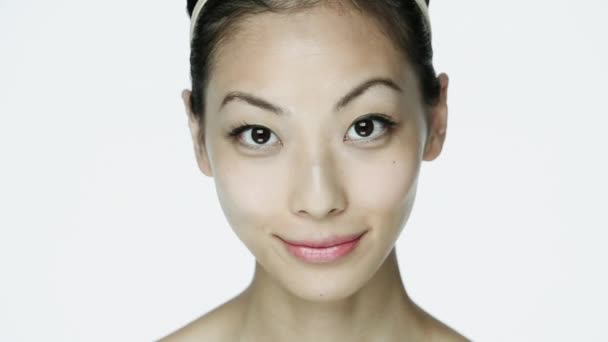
(335, 211)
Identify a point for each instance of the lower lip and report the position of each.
(323, 255)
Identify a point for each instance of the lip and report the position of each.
(323, 251)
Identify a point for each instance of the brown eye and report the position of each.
(364, 127)
(260, 135)
(374, 126)
(253, 136)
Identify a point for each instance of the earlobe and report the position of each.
(438, 122)
(198, 138)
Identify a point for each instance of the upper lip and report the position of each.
(327, 242)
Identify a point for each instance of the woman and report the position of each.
(313, 118)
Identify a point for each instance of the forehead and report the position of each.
(319, 51)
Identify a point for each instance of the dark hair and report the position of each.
(401, 20)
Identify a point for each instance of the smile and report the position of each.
(325, 251)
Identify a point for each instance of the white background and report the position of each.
(108, 231)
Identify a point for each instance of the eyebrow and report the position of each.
(343, 102)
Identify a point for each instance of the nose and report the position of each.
(317, 191)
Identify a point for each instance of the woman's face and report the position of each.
(312, 169)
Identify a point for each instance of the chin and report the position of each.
(316, 283)
(324, 289)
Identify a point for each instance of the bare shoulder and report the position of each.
(449, 335)
(439, 331)
(219, 324)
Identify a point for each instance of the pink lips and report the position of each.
(325, 251)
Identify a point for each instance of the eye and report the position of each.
(366, 127)
(252, 136)
(257, 137)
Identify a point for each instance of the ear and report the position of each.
(437, 122)
(198, 137)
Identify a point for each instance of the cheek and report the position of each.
(385, 198)
(249, 197)
(385, 186)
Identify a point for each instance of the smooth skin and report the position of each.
(315, 176)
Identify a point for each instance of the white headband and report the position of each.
(195, 12)
(200, 3)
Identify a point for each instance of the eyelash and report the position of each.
(236, 130)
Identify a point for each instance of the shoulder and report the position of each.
(219, 324)
(441, 332)
(438, 331)
(449, 336)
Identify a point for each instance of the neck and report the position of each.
(380, 311)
